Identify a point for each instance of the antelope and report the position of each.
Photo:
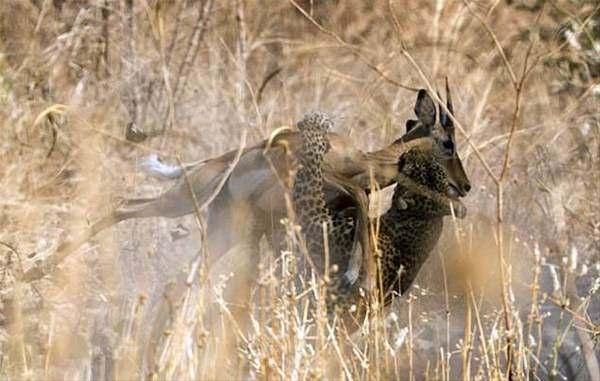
(255, 188)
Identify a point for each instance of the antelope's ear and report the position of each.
(425, 108)
(410, 124)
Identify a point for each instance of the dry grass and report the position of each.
(511, 291)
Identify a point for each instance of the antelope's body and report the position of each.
(249, 201)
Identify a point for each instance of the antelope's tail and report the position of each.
(155, 167)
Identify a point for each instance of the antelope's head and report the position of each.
(441, 131)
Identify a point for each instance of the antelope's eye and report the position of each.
(449, 145)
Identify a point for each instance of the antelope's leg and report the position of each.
(68, 247)
(175, 202)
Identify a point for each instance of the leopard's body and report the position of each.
(411, 228)
(313, 215)
(408, 232)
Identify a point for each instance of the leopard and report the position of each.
(408, 231)
(412, 227)
(316, 219)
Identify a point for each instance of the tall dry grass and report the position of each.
(89, 88)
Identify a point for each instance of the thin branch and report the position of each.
(193, 46)
(513, 77)
(543, 56)
(179, 21)
(355, 50)
(518, 96)
(457, 124)
(265, 82)
(433, 93)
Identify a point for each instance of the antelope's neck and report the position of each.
(382, 165)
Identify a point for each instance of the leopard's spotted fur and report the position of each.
(313, 214)
(408, 232)
(412, 226)
(311, 210)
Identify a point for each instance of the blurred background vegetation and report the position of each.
(90, 87)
